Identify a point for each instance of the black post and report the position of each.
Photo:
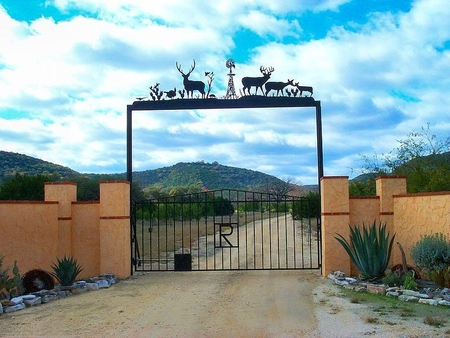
(319, 170)
(130, 177)
(319, 141)
(129, 144)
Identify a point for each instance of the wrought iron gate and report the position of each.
(226, 230)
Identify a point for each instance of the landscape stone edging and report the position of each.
(426, 296)
(103, 281)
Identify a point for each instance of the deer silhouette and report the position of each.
(257, 82)
(304, 89)
(278, 86)
(189, 85)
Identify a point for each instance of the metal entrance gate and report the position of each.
(226, 230)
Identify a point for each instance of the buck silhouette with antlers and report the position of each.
(257, 82)
(189, 85)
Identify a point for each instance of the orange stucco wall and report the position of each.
(26, 230)
(408, 216)
(335, 219)
(416, 215)
(364, 210)
(96, 234)
(86, 237)
(115, 252)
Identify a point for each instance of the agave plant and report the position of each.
(370, 250)
(66, 270)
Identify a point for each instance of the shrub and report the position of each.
(410, 282)
(370, 250)
(393, 278)
(10, 287)
(432, 254)
(66, 270)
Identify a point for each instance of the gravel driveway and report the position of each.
(202, 304)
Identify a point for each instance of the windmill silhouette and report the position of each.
(231, 92)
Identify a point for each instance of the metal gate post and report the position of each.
(320, 175)
(130, 175)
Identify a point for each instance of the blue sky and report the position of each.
(69, 68)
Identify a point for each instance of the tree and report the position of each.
(422, 157)
(25, 188)
(280, 188)
(366, 188)
(307, 206)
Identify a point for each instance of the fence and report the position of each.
(96, 234)
(409, 216)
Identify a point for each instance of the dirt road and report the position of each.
(201, 304)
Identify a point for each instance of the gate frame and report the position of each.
(195, 223)
(245, 102)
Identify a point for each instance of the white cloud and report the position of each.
(74, 78)
(265, 24)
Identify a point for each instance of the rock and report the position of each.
(428, 301)
(28, 300)
(79, 290)
(1, 308)
(14, 308)
(63, 293)
(338, 274)
(17, 300)
(49, 298)
(92, 286)
(110, 277)
(392, 289)
(103, 284)
(7, 302)
(444, 302)
(410, 293)
(33, 301)
(392, 293)
(406, 298)
(376, 289)
(360, 288)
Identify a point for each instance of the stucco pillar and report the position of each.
(64, 193)
(387, 187)
(115, 253)
(335, 219)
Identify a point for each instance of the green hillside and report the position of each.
(209, 175)
(14, 163)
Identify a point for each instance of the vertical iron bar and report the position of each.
(286, 233)
(294, 241)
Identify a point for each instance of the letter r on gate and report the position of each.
(225, 231)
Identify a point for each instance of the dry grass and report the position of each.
(434, 321)
(371, 320)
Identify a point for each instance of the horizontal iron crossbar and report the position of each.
(248, 102)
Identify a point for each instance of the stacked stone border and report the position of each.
(44, 296)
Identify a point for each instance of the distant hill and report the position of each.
(427, 162)
(13, 163)
(209, 175)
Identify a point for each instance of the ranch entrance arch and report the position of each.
(226, 229)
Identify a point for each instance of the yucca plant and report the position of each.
(370, 250)
(66, 270)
